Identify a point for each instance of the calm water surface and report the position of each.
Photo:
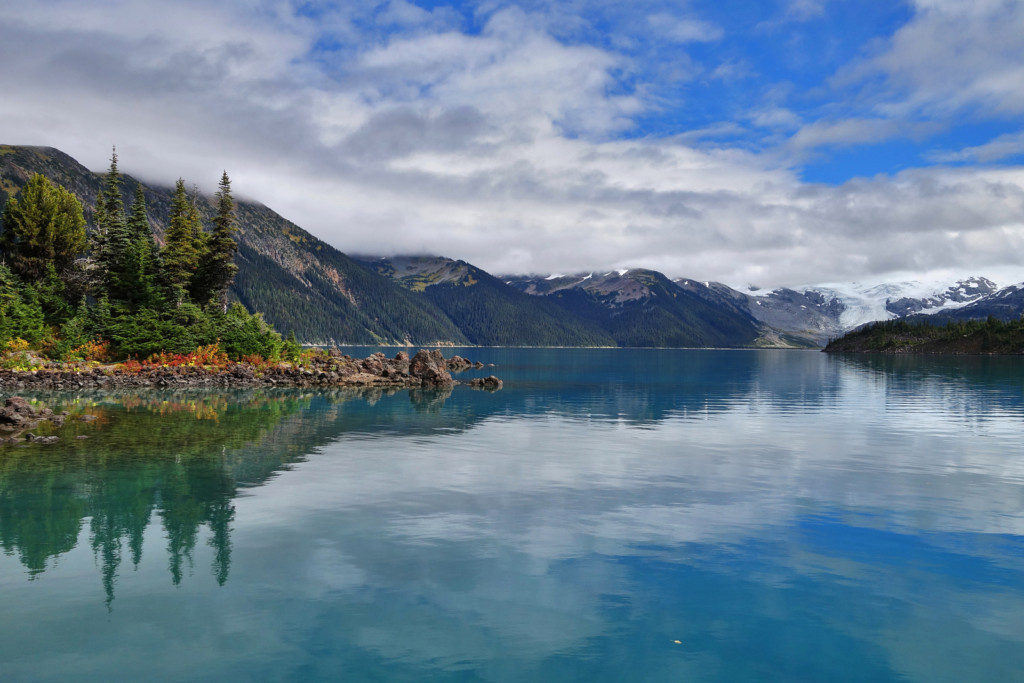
(609, 515)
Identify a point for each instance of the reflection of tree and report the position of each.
(171, 455)
(182, 455)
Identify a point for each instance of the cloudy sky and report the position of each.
(768, 142)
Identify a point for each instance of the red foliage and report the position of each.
(206, 356)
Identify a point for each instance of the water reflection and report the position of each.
(182, 455)
(782, 515)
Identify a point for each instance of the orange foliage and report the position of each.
(209, 356)
(93, 351)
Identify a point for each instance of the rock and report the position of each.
(17, 412)
(458, 363)
(490, 383)
(81, 437)
(87, 418)
(374, 364)
(430, 368)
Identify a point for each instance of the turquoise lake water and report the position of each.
(610, 515)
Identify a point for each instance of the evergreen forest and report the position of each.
(109, 291)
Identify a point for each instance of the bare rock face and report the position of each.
(490, 383)
(430, 368)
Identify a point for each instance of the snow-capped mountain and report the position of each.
(807, 315)
(816, 313)
(864, 303)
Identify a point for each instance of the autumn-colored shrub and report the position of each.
(132, 366)
(210, 355)
(94, 350)
(256, 361)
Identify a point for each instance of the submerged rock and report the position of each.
(17, 413)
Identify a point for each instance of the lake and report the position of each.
(611, 514)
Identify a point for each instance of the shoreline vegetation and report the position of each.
(107, 305)
(970, 337)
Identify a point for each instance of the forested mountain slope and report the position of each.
(488, 311)
(297, 281)
(644, 308)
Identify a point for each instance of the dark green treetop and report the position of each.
(217, 267)
(180, 254)
(42, 226)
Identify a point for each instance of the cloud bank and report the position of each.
(536, 138)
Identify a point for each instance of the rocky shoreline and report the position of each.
(427, 369)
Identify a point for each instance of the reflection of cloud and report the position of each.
(885, 494)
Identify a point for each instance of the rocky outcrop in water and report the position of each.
(18, 415)
(490, 383)
(458, 364)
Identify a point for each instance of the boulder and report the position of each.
(490, 383)
(374, 364)
(430, 368)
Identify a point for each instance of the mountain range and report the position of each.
(305, 285)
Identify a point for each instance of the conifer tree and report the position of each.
(113, 257)
(217, 266)
(43, 228)
(180, 255)
(143, 253)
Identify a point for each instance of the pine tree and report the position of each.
(217, 266)
(143, 252)
(113, 259)
(180, 256)
(43, 228)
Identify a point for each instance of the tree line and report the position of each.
(68, 288)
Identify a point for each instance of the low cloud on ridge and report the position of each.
(499, 136)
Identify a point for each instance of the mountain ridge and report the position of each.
(303, 284)
(296, 280)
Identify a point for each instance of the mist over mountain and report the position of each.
(305, 285)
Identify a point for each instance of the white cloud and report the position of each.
(856, 131)
(498, 147)
(998, 148)
(951, 56)
(804, 10)
(684, 29)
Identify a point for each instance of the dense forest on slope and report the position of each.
(920, 336)
(488, 311)
(299, 282)
(644, 308)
